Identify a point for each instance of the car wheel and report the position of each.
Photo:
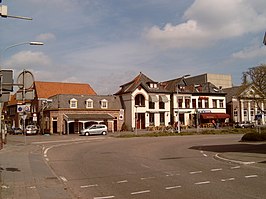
(87, 134)
(104, 133)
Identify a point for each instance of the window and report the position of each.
(199, 103)
(161, 105)
(104, 104)
(187, 103)
(89, 103)
(140, 100)
(206, 103)
(214, 103)
(221, 103)
(162, 119)
(73, 103)
(235, 112)
(151, 105)
(245, 112)
(180, 101)
(151, 118)
(252, 112)
(194, 103)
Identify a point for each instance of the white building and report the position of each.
(149, 103)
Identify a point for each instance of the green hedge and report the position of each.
(254, 136)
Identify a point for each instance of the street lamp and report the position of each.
(35, 43)
(136, 119)
(32, 43)
(178, 122)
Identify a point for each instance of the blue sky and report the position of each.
(106, 43)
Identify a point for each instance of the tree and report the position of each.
(257, 77)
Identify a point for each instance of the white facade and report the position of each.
(144, 114)
(190, 105)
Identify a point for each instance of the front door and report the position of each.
(141, 121)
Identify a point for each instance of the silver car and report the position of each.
(94, 129)
(31, 130)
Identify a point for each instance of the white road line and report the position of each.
(147, 178)
(173, 187)
(236, 167)
(251, 176)
(205, 155)
(121, 181)
(63, 178)
(234, 161)
(195, 172)
(204, 182)
(220, 169)
(140, 192)
(88, 186)
(104, 197)
(47, 159)
(228, 179)
(145, 166)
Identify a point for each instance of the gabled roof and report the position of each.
(48, 89)
(143, 81)
(241, 92)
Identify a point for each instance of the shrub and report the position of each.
(254, 136)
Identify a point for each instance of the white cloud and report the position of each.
(28, 59)
(208, 21)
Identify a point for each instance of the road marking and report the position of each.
(204, 182)
(63, 178)
(234, 161)
(228, 179)
(220, 169)
(104, 197)
(88, 186)
(236, 167)
(173, 187)
(204, 154)
(195, 172)
(145, 166)
(140, 192)
(147, 178)
(122, 181)
(32, 187)
(251, 176)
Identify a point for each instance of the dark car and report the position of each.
(16, 131)
(246, 124)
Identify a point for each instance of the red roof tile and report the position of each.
(48, 89)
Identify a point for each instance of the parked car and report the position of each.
(94, 129)
(31, 130)
(17, 130)
(246, 124)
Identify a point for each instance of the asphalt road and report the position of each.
(158, 168)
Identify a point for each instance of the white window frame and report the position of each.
(104, 104)
(73, 103)
(89, 102)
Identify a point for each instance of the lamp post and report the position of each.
(178, 114)
(1, 79)
(136, 119)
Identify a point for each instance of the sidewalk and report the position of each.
(24, 174)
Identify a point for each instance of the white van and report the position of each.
(94, 129)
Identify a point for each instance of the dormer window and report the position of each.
(73, 103)
(104, 103)
(89, 103)
(153, 85)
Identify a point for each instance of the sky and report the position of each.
(107, 43)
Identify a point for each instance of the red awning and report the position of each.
(214, 115)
